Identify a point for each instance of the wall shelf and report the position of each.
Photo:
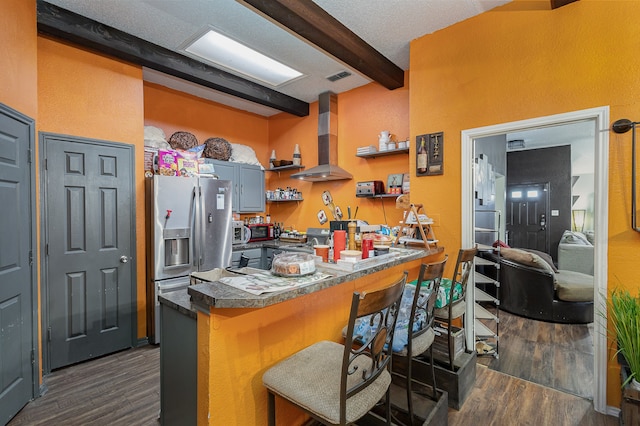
(281, 168)
(284, 201)
(384, 153)
(379, 196)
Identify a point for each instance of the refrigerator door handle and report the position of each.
(203, 227)
(194, 227)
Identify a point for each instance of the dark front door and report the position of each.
(17, 341)
(527, 221)
(89, 248)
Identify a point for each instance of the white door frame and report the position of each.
(601, 117)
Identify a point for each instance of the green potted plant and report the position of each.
(624, 312)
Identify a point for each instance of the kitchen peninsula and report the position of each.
(240, 335)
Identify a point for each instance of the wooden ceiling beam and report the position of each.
(559, 3)
(69, 26)
(309, 21)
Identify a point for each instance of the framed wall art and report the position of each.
(430, 154)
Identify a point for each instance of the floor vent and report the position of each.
(339, 76)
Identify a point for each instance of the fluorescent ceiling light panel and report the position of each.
(219, 49)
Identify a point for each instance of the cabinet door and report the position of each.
(228, 171)
(247, 184)
(252, 198)
(254, 255)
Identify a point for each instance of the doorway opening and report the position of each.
(600, 119)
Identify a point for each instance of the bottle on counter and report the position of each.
(331, 258)
(351, 227)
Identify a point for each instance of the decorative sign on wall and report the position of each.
(429, 154)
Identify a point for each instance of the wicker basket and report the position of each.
(183, 140)
(217, 148)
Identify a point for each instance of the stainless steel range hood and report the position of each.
(327, 168)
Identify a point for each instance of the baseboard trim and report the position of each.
(613, 411)
(43, 389)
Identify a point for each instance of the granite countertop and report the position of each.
(219, 295)
(179, 300)
(274, 244)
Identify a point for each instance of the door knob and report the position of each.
(124, 259)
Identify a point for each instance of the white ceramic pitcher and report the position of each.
(383, 139)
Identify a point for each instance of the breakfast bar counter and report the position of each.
(240, 335)
(214, 294)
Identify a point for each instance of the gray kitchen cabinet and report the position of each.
(178, 368)
(254, 255)
(248, 184)
(267, 256)
(251, 197)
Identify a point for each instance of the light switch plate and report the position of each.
(555, 212)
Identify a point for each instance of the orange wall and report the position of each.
(516, 63)
(174, 111)
(513, 63)
(84, 94)
(236, 347)
(18, 73)
(362, 114)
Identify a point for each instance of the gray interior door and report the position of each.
(16, 286)
(528, 216)
(89, 249)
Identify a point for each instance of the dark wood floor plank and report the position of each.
(120, 389)
(124, 389)
(559, 356)
(499, 399)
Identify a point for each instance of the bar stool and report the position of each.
(338, 384)
(457, 308)
(420, 334)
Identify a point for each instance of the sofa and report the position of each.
(531, 286)
(575, 252)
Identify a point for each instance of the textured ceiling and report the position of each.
(387, 25)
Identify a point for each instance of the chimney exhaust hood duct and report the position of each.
(327, 168)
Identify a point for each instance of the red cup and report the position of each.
(323, 251)
(367, 246)
(339, 243)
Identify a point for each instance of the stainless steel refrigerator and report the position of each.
(188, 230)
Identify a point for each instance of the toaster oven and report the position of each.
(238, 232)
(369, 188)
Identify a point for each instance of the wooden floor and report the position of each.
(547, 349)
(124, 389)
(499, 399)
(119, 389)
